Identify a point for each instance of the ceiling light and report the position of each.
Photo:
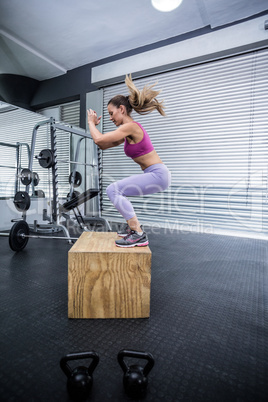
(166, 5)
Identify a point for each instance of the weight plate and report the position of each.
(46, 158)
(26, 177)
(39, 193)
(22, 201)
(77, 179)
(16, 240)
(36, 179)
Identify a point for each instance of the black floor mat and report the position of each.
(207, 330)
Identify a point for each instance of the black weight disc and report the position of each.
(22, 201)
(75, 194)
(46, 158)
(36, 179)
(39, 193)
(77, 179)
(16, 240)
(26, 177)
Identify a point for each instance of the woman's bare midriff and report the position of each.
(147, 160)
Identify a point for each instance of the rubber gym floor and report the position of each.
(207, 330)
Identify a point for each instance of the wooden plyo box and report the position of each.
(106, 281)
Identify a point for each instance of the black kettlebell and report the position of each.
(80, 379)
(135, 377)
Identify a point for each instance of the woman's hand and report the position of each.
(92, 117)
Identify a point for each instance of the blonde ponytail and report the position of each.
(144, 101)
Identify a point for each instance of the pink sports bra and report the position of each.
(141, 148)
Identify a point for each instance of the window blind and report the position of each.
(70, 113)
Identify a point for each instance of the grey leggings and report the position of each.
(155, 178)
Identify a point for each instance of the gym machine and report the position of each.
(47, 158)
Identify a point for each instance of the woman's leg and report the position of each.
(155, 179)
(118, 192)
(134, 224)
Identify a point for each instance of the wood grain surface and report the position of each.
(105, 281)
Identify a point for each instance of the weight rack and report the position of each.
(55, 212)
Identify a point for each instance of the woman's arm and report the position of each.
(108, 140)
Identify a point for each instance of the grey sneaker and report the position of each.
(132, 240)
(125, 230)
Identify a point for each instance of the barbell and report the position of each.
(46, 158)
(76, 178)
(22, 201)
(20, 234)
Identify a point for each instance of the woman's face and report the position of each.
(116, 114)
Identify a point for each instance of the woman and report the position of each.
(137, 145)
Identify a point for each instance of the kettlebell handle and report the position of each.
(136, 355)
(78, 356)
